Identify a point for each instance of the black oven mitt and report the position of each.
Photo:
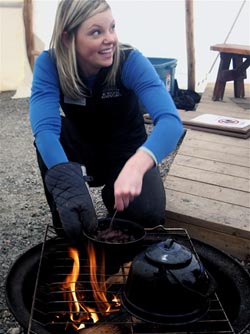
(67, 184)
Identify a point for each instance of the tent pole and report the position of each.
(28, 24)
(190, 44)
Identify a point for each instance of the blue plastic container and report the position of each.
(165, 67)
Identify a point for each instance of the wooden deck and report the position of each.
(208, 185)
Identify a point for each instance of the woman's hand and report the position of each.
(128, 184)
(67, 184)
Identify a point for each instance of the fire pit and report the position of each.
(48, 269)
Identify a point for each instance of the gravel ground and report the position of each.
(24, 212)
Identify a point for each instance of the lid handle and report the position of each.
(168, 243)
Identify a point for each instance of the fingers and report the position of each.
(122, 201)
(127, 186)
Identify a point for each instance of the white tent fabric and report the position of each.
(15, 71)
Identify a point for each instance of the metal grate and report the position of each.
(50, 313)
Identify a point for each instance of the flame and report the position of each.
(98, 286)
(79, 312)
(72, 279)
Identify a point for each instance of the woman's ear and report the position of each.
(65, 39)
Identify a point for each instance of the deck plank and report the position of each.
(213, 138)
(209, 177)
(211, 213)
(215, 155)
(208, 184)
(229, 243)
(213, 166)
(219, 146)
(209, 190)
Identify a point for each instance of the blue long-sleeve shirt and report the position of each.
(137, 75)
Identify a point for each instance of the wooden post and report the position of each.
(28, 24)
(190, 45)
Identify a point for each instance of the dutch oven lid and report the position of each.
(169, 253)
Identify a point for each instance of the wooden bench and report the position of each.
(240, 57)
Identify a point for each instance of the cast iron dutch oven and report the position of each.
(120, 238)
(167, 284)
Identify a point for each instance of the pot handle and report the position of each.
(211, 287)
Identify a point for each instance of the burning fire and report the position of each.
(80, 312)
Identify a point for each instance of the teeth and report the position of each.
(106, 51)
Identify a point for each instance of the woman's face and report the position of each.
(96, 41)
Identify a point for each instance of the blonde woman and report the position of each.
(88, 126)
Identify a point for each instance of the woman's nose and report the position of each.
(109, 37)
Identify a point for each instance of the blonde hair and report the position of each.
(70, 15)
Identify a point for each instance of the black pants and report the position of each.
(104, 162)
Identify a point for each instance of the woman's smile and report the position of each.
(107, 53)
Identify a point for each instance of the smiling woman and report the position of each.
(101, 140)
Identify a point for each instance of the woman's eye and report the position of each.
(96, 32)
